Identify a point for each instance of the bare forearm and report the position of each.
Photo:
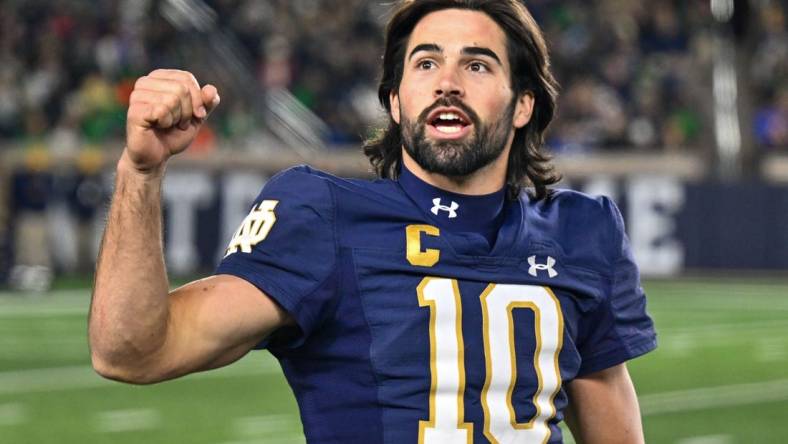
(603, 408)
(130, 307)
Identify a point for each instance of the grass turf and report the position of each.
(718, 377)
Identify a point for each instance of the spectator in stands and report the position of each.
(31, 190)
(769, 70)
(771, 121)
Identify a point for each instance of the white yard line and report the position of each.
(261, 426)
(724, 327)
(771, 349)
(708, 439)
(768, 338)
(717, 287)
(42, 312)
(694, 303)
(13, 414)
(77, 296)
(714, 397)
(132, 420)
(732, 328)
(65, 302)
(80, 377)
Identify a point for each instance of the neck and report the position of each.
(486, 180)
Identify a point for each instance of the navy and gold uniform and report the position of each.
(418, 323)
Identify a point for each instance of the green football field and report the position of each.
(720, 376)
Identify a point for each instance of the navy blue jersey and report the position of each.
(410, 332)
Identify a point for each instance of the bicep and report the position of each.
(215, 321)
(603, 408)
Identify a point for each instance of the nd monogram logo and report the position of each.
(452, 210)
(536, 268)
(254, 228)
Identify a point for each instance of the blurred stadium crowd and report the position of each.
(633, 74)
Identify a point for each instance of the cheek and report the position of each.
(491, 100)
(495, 106)
(411, 103)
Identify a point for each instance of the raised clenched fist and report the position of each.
(166, 109)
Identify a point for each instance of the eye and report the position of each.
(478, 67)
(425, 65)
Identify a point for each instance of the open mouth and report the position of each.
(448, 121)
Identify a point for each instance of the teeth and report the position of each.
(449, 116)
(448, 129)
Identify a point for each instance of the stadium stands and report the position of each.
(637, 101)
(634, 75)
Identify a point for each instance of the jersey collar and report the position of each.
(459, 213)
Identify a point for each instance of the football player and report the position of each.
(456, 299)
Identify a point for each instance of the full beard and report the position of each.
(457, 158)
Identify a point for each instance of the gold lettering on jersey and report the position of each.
(254, 228)
(415, 255)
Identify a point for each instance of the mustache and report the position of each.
(451, 101)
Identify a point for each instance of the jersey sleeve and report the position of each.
(286, 247)
(619, 328)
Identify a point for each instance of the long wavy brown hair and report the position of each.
(529, 165)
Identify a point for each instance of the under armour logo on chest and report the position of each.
(536, 268)
(452, 210)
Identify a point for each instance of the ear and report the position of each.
(523, 110)
(394, 104)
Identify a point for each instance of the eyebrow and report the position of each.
(468, 50)
(479, 51)
(427, 47)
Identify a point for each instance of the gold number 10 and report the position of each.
(446, 423)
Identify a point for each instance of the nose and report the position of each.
(449, 84)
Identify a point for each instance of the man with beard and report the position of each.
(443, 303)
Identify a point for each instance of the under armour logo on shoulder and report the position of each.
(536, 268)
(452, 210)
